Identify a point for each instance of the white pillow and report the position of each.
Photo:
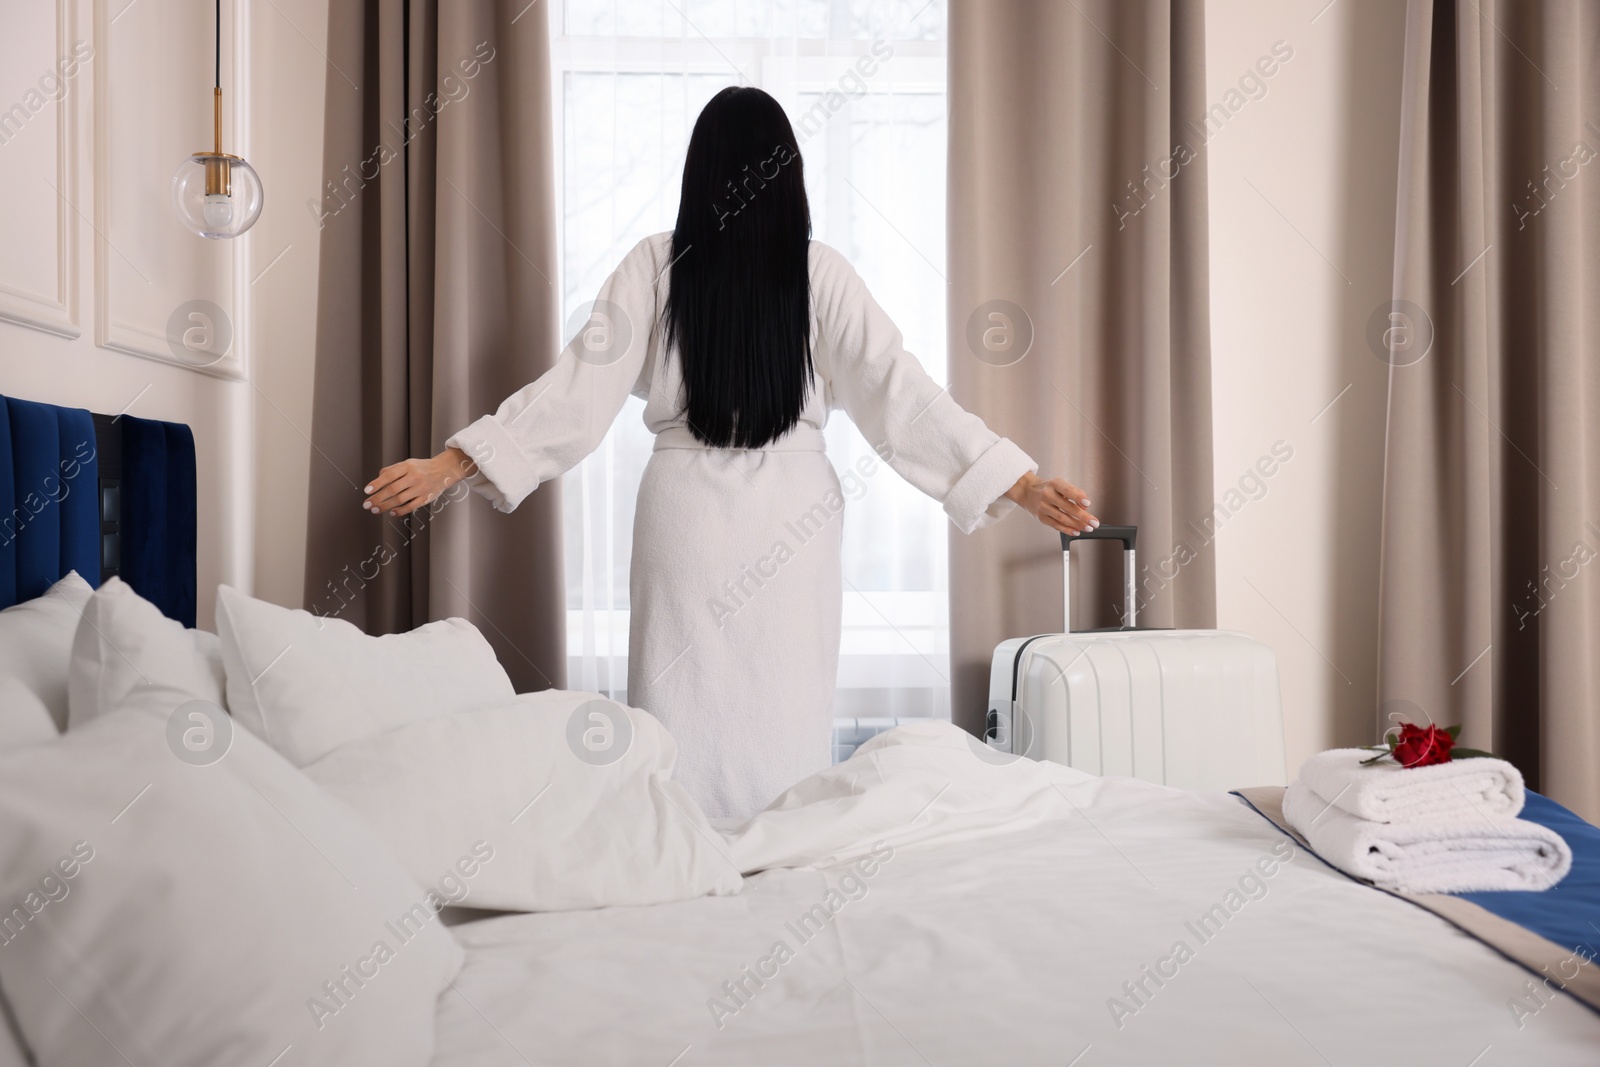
(24, 719)
(608, 827)
(308, 684)
(35, 647)
(198, 915)
(127, 654)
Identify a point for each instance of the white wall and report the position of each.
(1302, 224)
(289, 84)
(93, 261)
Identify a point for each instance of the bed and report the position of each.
(71, 481)
(1043, 944)
(928, 901)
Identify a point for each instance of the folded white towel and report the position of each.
(1471, 854)
(1388, 792)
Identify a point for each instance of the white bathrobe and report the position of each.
(735, 588)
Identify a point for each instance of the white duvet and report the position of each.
(955, 911)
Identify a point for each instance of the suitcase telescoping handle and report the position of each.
(1127, 535)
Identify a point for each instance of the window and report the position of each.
(631, 76)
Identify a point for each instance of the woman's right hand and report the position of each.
(1055, 502)
(403, 487)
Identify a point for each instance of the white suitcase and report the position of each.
(1196, 709)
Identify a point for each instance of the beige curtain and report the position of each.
(1078, 219)
(436, 301)
(1490, 597)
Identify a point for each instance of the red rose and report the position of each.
(1421, 746)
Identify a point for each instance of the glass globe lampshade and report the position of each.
(216, 195)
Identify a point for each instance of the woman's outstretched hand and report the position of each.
(403, 487)
(1055, 502)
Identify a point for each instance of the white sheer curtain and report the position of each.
(631, 76)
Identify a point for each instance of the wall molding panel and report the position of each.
(53, 306)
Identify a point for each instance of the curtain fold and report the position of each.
(435, 302)
(1079, 321)
(1489, 600)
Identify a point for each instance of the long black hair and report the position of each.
(739, 304)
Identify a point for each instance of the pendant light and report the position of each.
(217, 195)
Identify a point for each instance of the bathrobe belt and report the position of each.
(803, 438)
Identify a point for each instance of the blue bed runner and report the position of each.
(1554, 933)
(1567, 912)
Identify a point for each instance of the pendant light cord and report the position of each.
(219, 45)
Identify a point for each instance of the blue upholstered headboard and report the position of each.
(98, 494)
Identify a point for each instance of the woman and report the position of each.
(741, 334)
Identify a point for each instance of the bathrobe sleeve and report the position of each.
(547, 427)
(912, 421)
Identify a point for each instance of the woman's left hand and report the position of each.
(1055, 502)
(403, 487)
